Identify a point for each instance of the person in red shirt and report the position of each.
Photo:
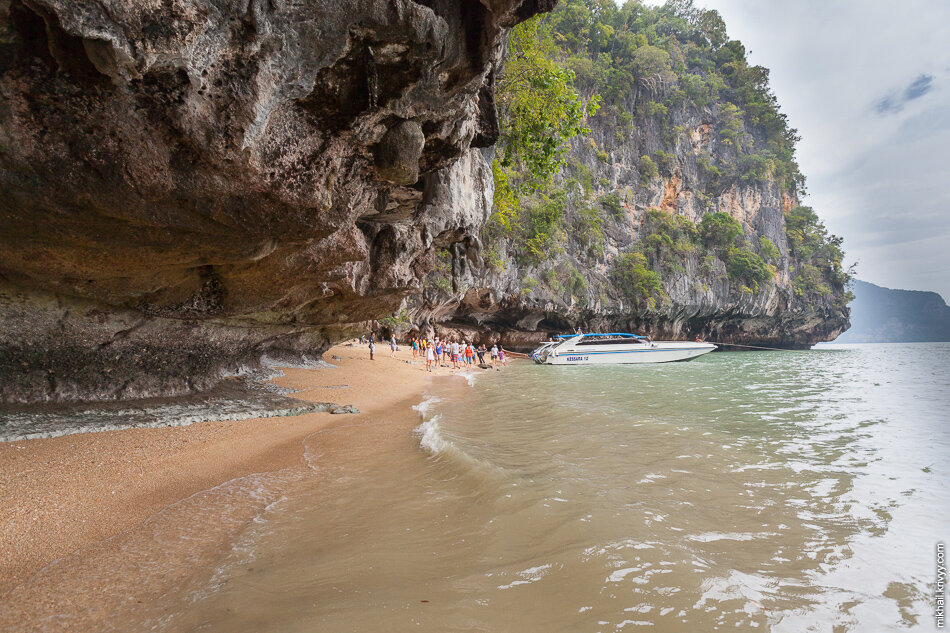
(468, 353)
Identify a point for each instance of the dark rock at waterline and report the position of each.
(236, 399)
(187, 188)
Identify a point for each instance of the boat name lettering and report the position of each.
(572, 358)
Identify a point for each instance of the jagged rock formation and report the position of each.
(187, 187)
(520, 303)
(663, 153)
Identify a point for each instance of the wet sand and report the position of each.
(69, 495)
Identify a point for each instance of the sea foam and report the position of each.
(429, 434)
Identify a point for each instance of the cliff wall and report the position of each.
(186, 188)
(636, 197)
(522, 301)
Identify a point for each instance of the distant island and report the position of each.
(883, 315)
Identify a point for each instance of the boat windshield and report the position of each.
(611, 339)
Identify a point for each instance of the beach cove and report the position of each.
(765, 491)
(95, 525)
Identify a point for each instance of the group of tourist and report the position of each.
(436, 350)
(459, 354)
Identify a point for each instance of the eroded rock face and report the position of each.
(185, 187)
(518, 302)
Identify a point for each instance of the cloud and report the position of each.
(888, 105)
(918, 88)
(895, 100)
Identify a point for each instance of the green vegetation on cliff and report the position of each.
(818, 256)
(647, 62)
(540, 105)
(610, 115)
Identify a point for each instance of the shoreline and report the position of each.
(66, 497)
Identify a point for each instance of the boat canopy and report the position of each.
(617, 334)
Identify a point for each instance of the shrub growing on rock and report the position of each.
(636, 280)
(648, 170)
(743, 264)
(720, 230)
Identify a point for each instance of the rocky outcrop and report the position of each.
(519, 301)
(187, 187)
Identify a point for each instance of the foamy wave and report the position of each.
(751, 589)
(440, 443)
(469, 375)
(528, 576)
(424, 406)
(430, 436)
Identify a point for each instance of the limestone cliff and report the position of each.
(663, 154)
(188, 187)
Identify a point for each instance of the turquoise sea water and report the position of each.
(762, 491)
(766, 491)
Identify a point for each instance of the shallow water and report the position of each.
(767, 491)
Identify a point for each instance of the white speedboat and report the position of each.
(615, 348)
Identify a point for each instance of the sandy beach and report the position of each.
(71, 497)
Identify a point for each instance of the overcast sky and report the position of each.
(867, 85)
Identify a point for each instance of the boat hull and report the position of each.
(659, 352)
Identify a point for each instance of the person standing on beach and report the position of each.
(438, 351)
(455, 355)
(392, 346)
(415, 346)
(481, 353)
(501, 355)
(494, 354)
(430, 356)
(372, 348)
